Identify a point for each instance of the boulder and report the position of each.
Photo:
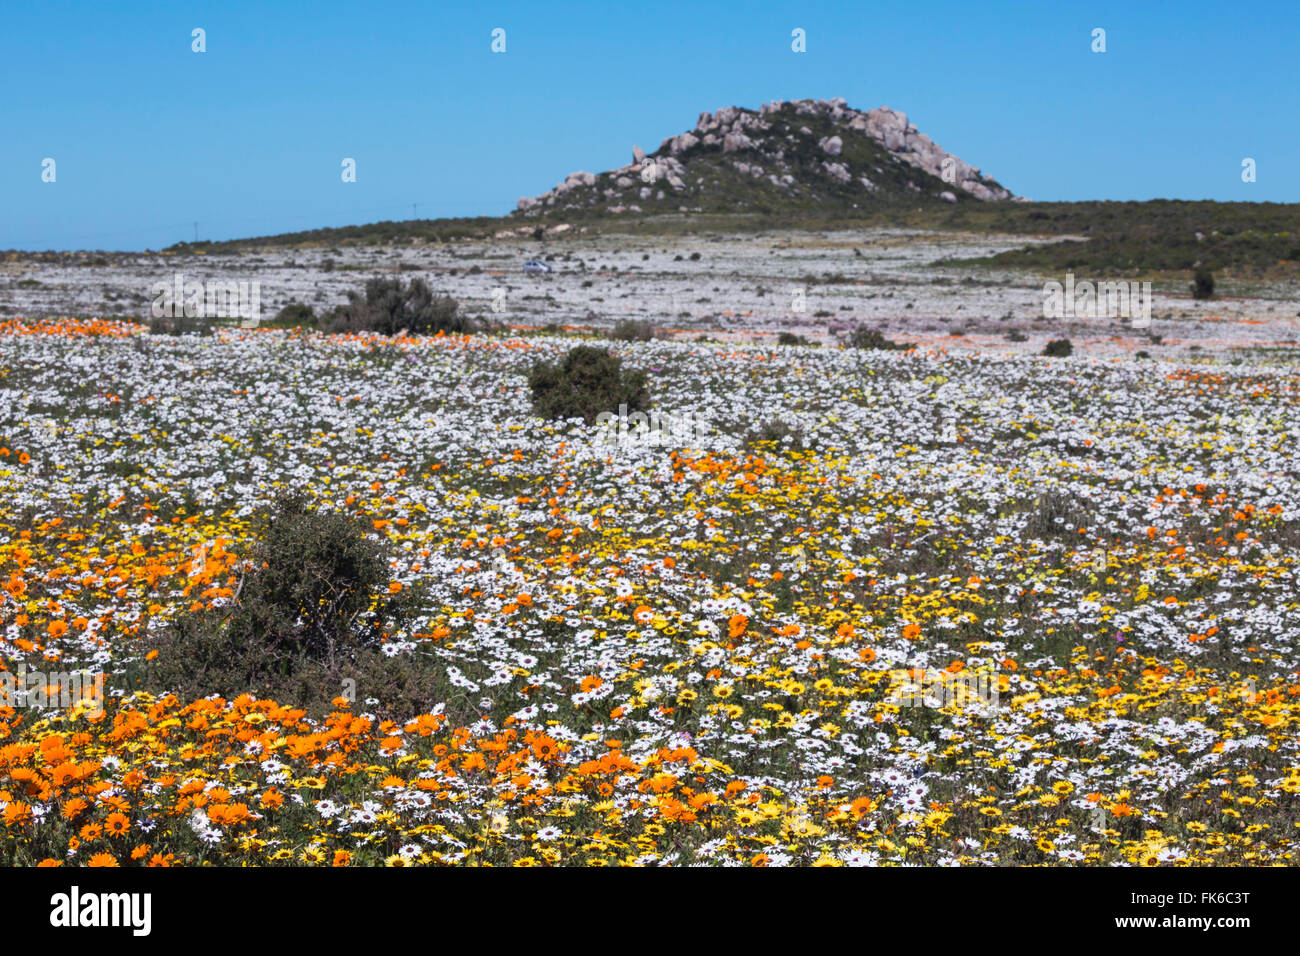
(736, 141)
(679, 144)
(837, 171)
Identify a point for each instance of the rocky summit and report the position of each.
(785, 154)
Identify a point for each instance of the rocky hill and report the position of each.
(812, 153)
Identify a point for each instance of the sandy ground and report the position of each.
(729, 287)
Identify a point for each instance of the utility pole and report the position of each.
(414, 207)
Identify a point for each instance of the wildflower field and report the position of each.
(725, 648)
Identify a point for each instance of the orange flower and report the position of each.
(911, 631)
(103, 859)
(17, 813)
(736, 625)
(545, 748)
(58, 628)
(117, 824)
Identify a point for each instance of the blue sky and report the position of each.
(248, 137)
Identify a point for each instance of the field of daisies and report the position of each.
(728, 645)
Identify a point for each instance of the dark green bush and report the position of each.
(585, 383)
(181, 325)
(774, 432)
(632, 330)
(1202, 283)
(1058, 348)
(296, 313)
(388, 307)
(310, 612)
(865, 338)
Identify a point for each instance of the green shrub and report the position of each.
(1202, 283)
(865, 338)
(790, 338)
(296, 313)
(309, 613)
(181, 325)
(585, 383)
(388, 307)
(774, 433)
(632, 330)
(1058, 348)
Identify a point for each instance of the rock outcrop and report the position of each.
(807, 151)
